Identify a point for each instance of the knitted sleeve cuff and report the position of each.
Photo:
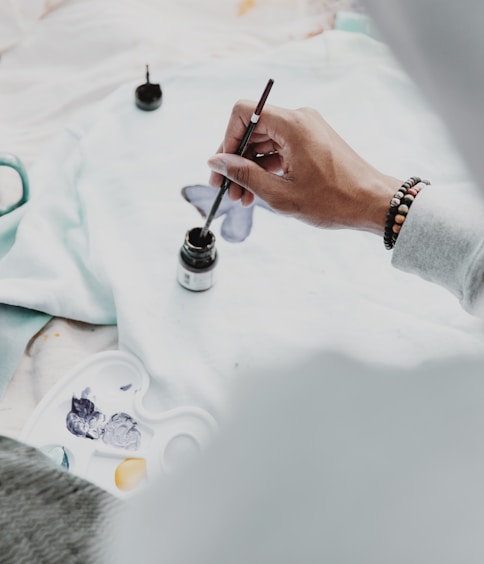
(442, 240)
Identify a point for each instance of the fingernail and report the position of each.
(245, 203)
(217, 164)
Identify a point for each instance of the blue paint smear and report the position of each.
(58, 455)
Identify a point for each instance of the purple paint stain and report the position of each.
(237, 222)
(122, 431)
(84, 420)
(125, 388)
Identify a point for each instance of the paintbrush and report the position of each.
(240, 151)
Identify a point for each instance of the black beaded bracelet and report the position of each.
(399, 207)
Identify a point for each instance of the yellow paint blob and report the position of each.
(130, 473)
(245, 6)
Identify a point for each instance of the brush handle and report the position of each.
(240, 151)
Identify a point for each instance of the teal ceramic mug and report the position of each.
(14, 183)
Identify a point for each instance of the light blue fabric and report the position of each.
(355, 22)
(8, 229)
(17, 324)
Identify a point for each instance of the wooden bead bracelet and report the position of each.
(399, 207)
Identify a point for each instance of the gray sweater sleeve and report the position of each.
(442, 240)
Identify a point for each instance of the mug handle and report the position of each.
(11, 160)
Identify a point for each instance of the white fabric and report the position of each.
(19, 17)
(65, 63)
(81, 51)
(100, 237)
(418, 447)
(364, 465)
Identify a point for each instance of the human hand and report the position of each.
(301, 167)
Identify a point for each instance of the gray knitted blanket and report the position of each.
(46, 514)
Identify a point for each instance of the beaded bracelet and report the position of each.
(399, 207)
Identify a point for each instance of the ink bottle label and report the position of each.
(197, 261)
(195, 281)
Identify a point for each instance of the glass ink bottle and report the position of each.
(197, 261)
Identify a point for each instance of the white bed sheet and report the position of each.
(60, 58)
(84, 50)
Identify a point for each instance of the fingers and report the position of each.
(270, 126)
(247, 177)
(265, 144)
(301, 167)
(231, 166)
(237, 125)
(236, 193)
(271, 163)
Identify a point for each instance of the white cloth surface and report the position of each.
(400, 475)
(59, 59)
(368, 467)
(82, 50)
(99, 239)
(19, 17)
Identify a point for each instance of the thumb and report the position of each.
(244, 173)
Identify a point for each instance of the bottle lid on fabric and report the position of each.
(148, 95)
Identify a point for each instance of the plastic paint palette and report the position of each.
(94, 423)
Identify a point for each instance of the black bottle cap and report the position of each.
(148, 95)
